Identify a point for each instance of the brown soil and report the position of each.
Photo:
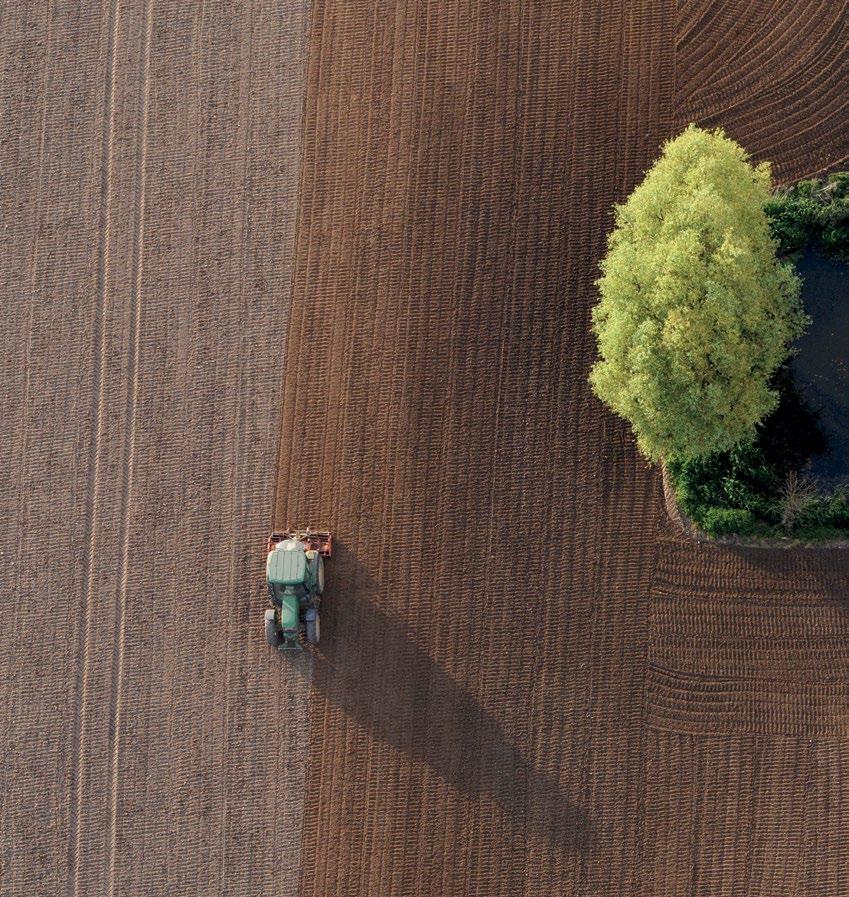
(149, 155)
(531, 683)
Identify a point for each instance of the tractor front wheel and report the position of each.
(272, 633)
(314, 630)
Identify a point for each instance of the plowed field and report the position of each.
(529, 683)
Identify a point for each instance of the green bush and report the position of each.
(835, 240)
(840, 179)
(728, 521)
(695, 312)
(717, 492)
(717, 483)
(791, 232)
(812, 212)
(827, 511)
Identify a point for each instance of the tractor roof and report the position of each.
(287, 564)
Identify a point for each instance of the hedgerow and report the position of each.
(812, 213)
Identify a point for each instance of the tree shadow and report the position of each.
(792, 435)
(370, 666)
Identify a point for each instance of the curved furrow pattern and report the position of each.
(736, 51)
(793, 86)
(773, 76)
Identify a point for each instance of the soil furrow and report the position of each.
(467, 737)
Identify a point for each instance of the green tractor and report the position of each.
(295, 573)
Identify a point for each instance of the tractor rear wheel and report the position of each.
(272, 633)
(314, 630)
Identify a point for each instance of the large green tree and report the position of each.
(696, 311)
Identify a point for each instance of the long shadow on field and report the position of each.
(371, 668)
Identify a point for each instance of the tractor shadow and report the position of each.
(370, 667)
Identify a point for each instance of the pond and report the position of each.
(821, 368)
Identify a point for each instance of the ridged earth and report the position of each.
(530, 683)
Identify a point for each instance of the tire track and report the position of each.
(204, 701)
(59, 251)
(133, 353)
(112, 22)
(235, 459)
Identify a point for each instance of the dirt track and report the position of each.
(529, 684)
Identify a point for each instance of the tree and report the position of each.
(696, 311)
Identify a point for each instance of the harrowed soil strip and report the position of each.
(151, 170)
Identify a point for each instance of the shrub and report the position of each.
(727, 521)
(750, 477)
(695, 312)
(797, 497)
(835, 240)
(791, 233)
(827, 511)
(812, 212)
(840, 179)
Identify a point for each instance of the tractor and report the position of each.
(295, 573)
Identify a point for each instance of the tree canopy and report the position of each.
(696, 311)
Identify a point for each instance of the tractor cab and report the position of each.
(286, 566)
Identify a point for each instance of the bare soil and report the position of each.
(529, 682)
(149, 155)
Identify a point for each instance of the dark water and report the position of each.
(821, 369)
